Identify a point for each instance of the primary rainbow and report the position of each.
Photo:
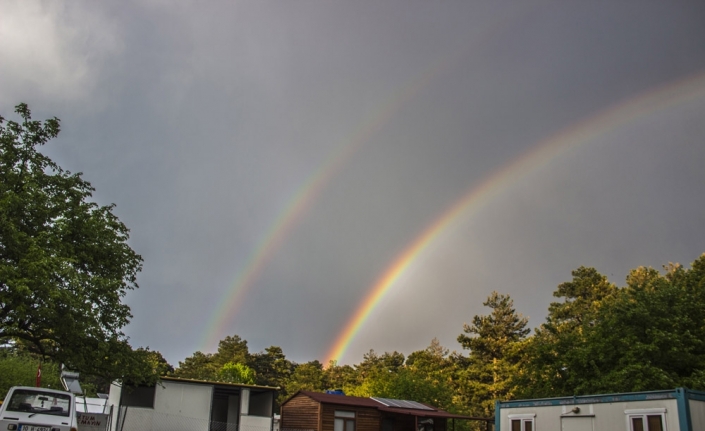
(541, 154)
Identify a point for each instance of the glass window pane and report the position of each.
(349, 425)
(516, 425)
(528, 426)
(339, 425)
(637, 424)
(655, 423)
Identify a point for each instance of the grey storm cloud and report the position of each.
(207, 124)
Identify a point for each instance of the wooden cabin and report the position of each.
(318, 411)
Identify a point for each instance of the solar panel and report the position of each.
(404, 404)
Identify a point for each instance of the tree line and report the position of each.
(597, 338)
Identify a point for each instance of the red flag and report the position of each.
(39, 375)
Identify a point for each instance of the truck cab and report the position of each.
(38, 409)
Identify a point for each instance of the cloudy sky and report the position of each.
(274, 161)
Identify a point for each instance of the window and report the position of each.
(344, 421)
(523, 422)
(140, 396)
(646, 419)
(39, 402)
(425, 424)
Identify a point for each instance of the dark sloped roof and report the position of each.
(435, 413)
(340, 399)
(345, 400)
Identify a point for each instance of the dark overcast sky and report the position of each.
(204, 122)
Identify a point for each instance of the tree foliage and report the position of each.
(20, 369)
(647, 335)
(553, 349)
(65, 264)
(235, 372)
(308, 376)
(271, 367)
(495, 347)
(597, 338)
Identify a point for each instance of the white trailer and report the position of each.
(176, 404)
(679, 409)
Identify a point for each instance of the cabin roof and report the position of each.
(344, 400)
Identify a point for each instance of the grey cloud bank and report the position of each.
(202, 122)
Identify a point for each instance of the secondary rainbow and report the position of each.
(661, 98)
(303, 199)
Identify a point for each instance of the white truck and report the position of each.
(38, 409)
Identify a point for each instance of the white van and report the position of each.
(38, 409)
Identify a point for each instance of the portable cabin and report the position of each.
(175, 404)
(669, 410)
(317, 411)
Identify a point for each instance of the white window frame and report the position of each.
(643, 413)
(524, 418)
(345, 416)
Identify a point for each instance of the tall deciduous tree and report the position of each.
(65, 264)
(650, 336)
(271, 367)
(342, 377)
(199, 366)
(308, 376)
(556, 347)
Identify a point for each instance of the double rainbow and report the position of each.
(307, 193)
(541, 154)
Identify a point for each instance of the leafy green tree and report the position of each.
(65, 264)
(271, 367)
(650, 336)
(236, 373)
(556, 343)
(231, 349)
(582, 298)
(206, 366)
(373, 363)
(407, 384)
(308, 376)
(423, 377)
(342, 377)
(495, 347)
(20, 369)
(199, 366)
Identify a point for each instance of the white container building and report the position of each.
(669, 410)
(175, 404)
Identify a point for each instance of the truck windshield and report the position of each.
(39, 402)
